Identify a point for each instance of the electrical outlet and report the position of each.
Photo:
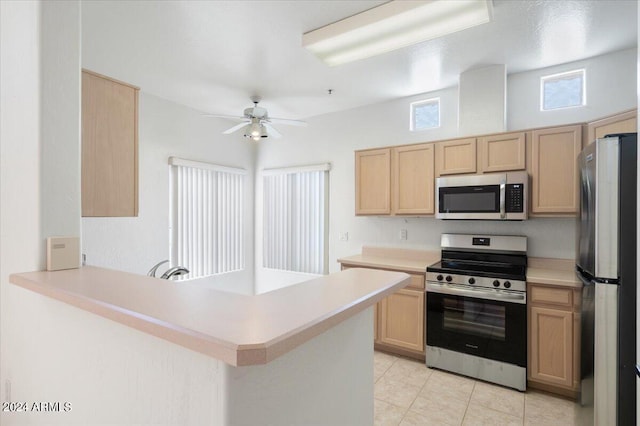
(344, 236)
(403, 234)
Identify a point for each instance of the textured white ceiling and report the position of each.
(213, 55)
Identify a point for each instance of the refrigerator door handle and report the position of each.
(585, 280)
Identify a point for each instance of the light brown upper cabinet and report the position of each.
(398, 180)
(456, 156)
(109, 147)
(502, 152)
(553, 170)
(373, 181)
(624, 122)
(413, 179)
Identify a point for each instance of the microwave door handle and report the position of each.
(503, 213)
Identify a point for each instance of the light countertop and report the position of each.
(557, 272)
(237, 329)
(553, 277)
(391, 258)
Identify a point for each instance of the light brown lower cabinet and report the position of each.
(402, 320)
(554, 338)
(399, 319)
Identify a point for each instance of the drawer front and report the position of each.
(417, 281)
(551, 296)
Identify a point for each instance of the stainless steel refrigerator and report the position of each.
(606, 264)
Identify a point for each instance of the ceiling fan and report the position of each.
(256, 122)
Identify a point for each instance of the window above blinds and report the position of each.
(207, 211)
(295, 205)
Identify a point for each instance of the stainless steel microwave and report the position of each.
(492, 196)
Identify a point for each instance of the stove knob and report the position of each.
(496, 283)
(507, 284)
(439, 278)
(448, 278)
(472, 280)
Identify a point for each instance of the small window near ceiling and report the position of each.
(425, 114)
(564, 90)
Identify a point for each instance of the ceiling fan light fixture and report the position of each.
(254, 129)
(256, 123)
(256, 132)
(393, 25)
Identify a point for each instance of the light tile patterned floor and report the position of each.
(408, 393)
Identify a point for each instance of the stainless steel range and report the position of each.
(477, 308)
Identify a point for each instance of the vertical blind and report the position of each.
(206, 217)
(295, 208)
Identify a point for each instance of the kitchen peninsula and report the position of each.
(298, 355)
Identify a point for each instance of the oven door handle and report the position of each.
(478, 293)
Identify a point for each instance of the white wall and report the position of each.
(19, 159)
(60, 120)
(333, 138)
(483, 100)
(39, 164)
(611, 87)
(135, 244)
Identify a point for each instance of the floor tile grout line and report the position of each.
(414, 400)
(468, 402)
(474, 388)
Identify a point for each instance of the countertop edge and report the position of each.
(235, 354)
(224, 351)
(283, 346)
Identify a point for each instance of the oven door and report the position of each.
(492, 329)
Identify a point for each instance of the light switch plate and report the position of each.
(63, 253)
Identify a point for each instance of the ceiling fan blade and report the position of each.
(229, 117)
(234, 128)
(288, 122)
(272, 131)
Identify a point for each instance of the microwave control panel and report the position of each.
(514, 198)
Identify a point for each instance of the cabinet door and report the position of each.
(456, 156)
(503, 152)
(109, 147)
(553, 172)
(620, 123)
(402, 320)
(373, 181)
(413, 179)
(552, 343)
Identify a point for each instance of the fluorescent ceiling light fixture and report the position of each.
(390, 26)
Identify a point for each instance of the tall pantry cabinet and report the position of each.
(109, 147)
